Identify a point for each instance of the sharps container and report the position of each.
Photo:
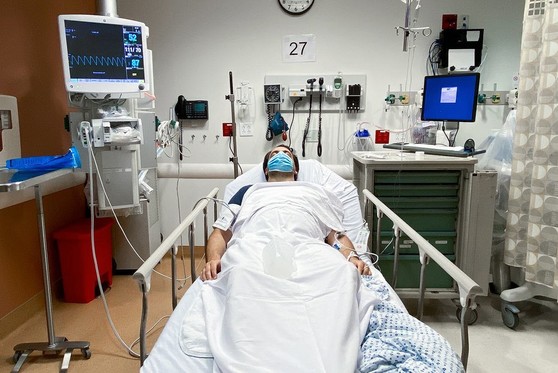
(79, 279)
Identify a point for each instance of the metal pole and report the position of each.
(107, 8)
(230, 97)
(407, 26)
(396, 256)
(192, 258)
(422, 288)
(46, 270)
(173, 278)
(143, 324)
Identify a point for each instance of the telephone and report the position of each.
(196, 109)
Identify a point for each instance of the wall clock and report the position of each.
(296, 7)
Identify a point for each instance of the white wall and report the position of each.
(196, 43)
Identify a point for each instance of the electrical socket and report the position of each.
(463, 22)
(246, 129)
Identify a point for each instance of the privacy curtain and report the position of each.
(532, 226)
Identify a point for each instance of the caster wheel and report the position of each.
(86, 352)
(473, 316)
(16, 356)
(510, 317)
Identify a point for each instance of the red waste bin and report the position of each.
(79, 279)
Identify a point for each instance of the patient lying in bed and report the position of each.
(277, 296)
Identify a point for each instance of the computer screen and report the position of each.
(104, 54)
(450, 97)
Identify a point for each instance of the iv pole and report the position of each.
(230, 97)
(407, 29)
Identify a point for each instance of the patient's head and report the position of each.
(280, 164)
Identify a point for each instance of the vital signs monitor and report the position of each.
(104, 54)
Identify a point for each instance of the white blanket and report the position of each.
(285, 301)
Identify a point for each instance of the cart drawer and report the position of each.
(419, 190)
(417, 177)
(421, 202)
(443, 241)
(408, 273)
(423, 220)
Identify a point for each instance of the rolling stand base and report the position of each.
(23, 350)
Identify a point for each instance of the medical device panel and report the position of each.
(104, 55)
(450, 97)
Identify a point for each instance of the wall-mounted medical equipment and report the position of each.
(10, 146)
(245, 110)
(354, 93)
(104, 55)
(191, 109)
(493, 97)
(334, 91)
(512, 98)
(273, 94)
(461, 49)
(399, 98)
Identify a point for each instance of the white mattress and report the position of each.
(167, 356)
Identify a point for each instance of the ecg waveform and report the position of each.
(96, 61)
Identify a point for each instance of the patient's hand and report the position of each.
(209, 272)
(362, 268)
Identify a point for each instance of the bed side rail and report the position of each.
(468, 289)
(143, 274)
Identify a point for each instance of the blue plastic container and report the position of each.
(46, 163)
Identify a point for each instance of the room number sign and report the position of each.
(299, 48)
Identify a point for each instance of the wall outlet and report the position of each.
(463, 22)
(245, 129)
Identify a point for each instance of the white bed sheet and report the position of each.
(167, 356)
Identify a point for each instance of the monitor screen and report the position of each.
(103, 54)
(450, 97)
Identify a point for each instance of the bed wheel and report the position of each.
(510, 315)
(86, 352)
(473, 315)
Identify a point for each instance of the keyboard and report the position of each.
(453, 151)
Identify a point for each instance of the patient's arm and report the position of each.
(216, 246)
(346, 249)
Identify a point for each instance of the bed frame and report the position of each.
(468, 289)
(143, 274)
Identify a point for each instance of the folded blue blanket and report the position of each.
(398, 342)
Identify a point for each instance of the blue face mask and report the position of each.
(280, 162)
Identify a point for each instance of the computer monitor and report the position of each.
(104, 54)
(450, 98)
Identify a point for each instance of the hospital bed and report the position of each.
(388, 319)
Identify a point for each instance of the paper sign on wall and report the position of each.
(299, 48)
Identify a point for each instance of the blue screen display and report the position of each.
(450, 97)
